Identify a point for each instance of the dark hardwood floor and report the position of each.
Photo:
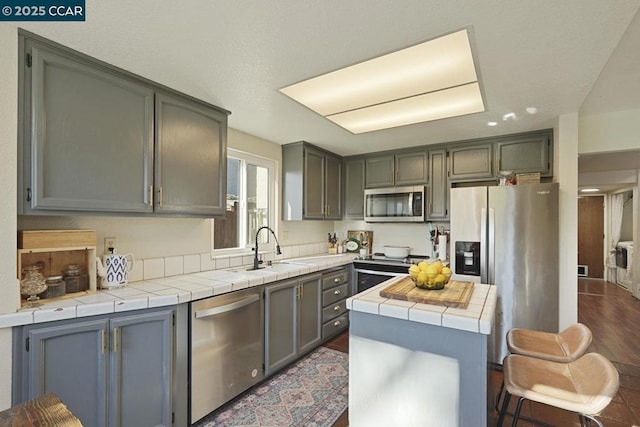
(613, 316)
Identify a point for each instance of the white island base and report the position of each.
(416, 364)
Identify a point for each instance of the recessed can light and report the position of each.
(492, 124)
(532, 110)
(509, 116)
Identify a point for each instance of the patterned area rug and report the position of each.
(311, 392)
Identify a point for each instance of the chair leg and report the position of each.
(516, 415)
(497, 401)
(505, 406)
(590, 418)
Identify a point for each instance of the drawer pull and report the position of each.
(337, 292)
(336, 308)
(337, 280)
(337, 323)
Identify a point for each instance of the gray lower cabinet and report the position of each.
(354, 189)
(190, 162)
(312, 183)
(438, 208)
(525, 154)
(471, 162)
(292, 320)
(336, 288)
(109, 371)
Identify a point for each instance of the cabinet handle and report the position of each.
(301, 291)
(103, 340)
(336, 308)
(337, 323)
(337, 292)
(337, 280)
(116, 338)
(151, 195)
(160, 197)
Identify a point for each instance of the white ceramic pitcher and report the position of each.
(115, 271)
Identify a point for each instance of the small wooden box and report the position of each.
(56, 249)
(528, 178)
(55, 239)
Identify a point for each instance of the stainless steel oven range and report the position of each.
(375, 269)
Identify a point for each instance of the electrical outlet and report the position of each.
(109, 242)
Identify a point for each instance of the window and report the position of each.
(251, 183)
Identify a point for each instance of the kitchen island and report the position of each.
(413, 364)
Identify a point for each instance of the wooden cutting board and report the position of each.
(455, 294)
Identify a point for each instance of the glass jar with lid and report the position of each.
(75, 278)
(33, 283)
(55, 287)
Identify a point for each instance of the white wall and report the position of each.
(615, 131)
(566, 174)
(8, 175)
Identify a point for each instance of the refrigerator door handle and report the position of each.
(492, 245)
(483, 246)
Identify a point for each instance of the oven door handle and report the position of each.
(380, 273)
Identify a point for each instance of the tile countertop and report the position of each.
(169, 291)
(477, 317)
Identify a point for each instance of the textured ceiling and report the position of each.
(237, 54)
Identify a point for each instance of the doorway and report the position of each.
(591, 236)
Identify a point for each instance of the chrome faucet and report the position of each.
(256, 261)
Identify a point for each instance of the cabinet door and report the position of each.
(525, 155)
(70, 360)
(281, 308)
(354, 189)
(314, 184)
(411, 168)
(439, 186)
(379, 172)
(88, 138)
(191, 157)
(141, 370)
(470, 162)
(309, 313)
(333, 188)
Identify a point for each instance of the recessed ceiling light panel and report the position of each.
(453, 102)
(589, 190)
(441, 64)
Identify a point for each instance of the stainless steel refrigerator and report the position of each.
(507, 236)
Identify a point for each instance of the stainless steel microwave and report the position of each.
(395, 204)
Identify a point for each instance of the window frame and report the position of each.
(246, 246)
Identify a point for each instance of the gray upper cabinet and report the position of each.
(97, 139)
(411, 168)
(471, 162)
(98, 367)
(380, 171)
(438, 208)
(312, 183)
(190, 163)
(354, 189)
(525, 154)
(88, 136)
(407, 168)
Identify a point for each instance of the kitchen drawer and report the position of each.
(334, 279)
(335, 294)
(334, 310)
(334, 326)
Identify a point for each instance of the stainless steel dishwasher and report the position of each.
(226, 350)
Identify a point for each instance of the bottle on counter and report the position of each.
(55, 287)
(75, 278)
